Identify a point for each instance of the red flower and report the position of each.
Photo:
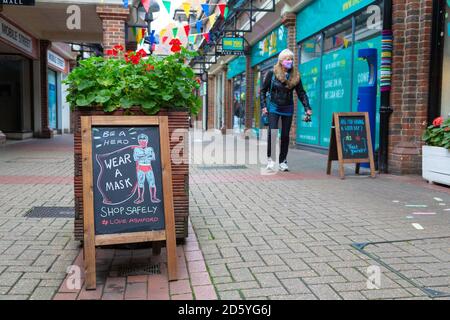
(438, 121)
(149, 67)
(111, 52)
(199, 81)
(141, 53)
(135, 59)
(118, 47)
(447, 129)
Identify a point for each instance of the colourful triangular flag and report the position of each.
(199, 26)
(164, 39)
(191, 39)
(206, 36)
(205, 8)
(146, 4)
(162, 32)
(212, 20)
(167, 4)
(225, 14)
(187, 29)
(187, 9)
(134, 31)
(222, 8)
(175, 32)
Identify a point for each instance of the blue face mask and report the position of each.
(288, 64)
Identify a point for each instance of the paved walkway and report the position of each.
(289, 236)
(286, 236)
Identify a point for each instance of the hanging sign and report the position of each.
(17, 2)
(232, 46)
(128, 195)
(351, 141)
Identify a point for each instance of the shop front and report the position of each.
(58, 110)
(236, 73)
(330, 66)
(18, 50)
(263, 58)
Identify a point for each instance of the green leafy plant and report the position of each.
(133, 79)
(438, 134)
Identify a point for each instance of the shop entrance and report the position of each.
(10, 97)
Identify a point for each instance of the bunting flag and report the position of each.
(206, 36)
(125, 4)
(187, 9)
(199, 26)
(162, 32)
(146, 4)
(167, 4)
(134, 31)
(192, 38)
(140, 35)
(175, 32)
(164, 39)
(225, 14)
(187, 29)
(212, 20)
(222, 8)
(205, 8)
(346, 42)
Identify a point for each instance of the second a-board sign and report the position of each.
(351, 142)
(127, 185)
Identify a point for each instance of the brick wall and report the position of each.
(113, 19)
(289, 20)
(44, 45)
(412, 23)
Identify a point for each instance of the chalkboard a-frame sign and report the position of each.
(351, 142)
(127, 186)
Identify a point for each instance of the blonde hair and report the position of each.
(284, 54)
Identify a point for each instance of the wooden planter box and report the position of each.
(180, 172)
(436, 164)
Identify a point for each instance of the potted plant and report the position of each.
(436, 152)
(132, 83)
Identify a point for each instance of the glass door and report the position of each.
(52, 100)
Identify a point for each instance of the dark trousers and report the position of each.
(286, 122)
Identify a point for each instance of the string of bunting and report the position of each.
(386, 60)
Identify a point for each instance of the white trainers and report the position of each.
(284, 166)
(270, 165)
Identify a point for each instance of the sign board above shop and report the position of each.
(18, 2)
(56, 62)
(270, 45)
(15, 37)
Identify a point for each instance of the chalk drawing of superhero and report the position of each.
(144, 155)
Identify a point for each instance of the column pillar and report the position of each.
(43, 65)
(289, 20)
(412, 25)
(113, 19)
(211, 101)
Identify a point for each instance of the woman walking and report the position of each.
(279, 86)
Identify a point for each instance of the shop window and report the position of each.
(339, 36)
(311, 48)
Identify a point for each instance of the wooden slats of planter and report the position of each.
(180, 172)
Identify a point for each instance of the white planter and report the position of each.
(436, 164)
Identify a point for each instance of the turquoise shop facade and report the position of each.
(328, 61)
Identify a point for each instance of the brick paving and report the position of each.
(35, 252)
(289, 236)
(286, 236)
